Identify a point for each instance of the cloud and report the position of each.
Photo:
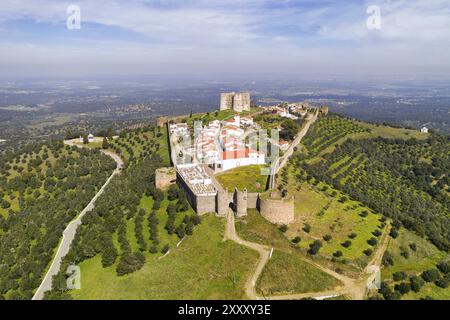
(226, 35)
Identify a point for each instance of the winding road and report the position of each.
(70, 231)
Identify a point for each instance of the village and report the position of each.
(237, 135)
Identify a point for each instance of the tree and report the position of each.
(403, 287)
(315, 247)
(416, 283)
(442, 283)
(337, 254)
(388, 259)
(372, 241)
(105, 144)
(85, 139)
(399, 275)
(346, 243)
(393, 233)
(430, 275)
(296, 240)
(444, 267)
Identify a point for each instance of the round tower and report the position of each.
(241, 203)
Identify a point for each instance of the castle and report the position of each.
(205, 196)
(235, 101)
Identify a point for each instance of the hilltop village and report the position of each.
(233, 137)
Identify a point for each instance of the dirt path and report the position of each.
(354, 288)
(70, 231)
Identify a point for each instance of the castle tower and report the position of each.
(222, 203)
(241, 102)
(241, 202)
(226, 101)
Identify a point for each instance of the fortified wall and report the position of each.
(276, 209)
(204, 197)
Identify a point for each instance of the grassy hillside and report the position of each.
(410, 256)
(218, 271)
(289, 273)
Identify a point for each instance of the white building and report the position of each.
(424, 130)
(90, 138)
(237, 158)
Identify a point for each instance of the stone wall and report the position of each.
(252, 200)
(278, 211)
(240, 202)
(165, 177)
(241, 102)
(226, 101)
(205, 204)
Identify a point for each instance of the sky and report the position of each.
(224, 37)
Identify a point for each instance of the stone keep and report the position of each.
(226, 101)
(235, 101)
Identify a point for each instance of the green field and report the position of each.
(202, 267)
(248, 177)
(289, 273)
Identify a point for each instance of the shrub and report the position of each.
(283, 228)
(398, 276)
(368, 252)
(327, 237)
(307, 228)
(130, 262)
(352, 235)
(372, 241)
(315, 247)
(337, 254)
(296, 240)
(346, 243)
(388, 259)
(165, 249)
(444, 267)
(442, 283)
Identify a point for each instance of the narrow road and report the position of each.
(70, 231)
(281, 162)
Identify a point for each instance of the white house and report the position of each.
(424, 130)
(90, 138)
(237, 158)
